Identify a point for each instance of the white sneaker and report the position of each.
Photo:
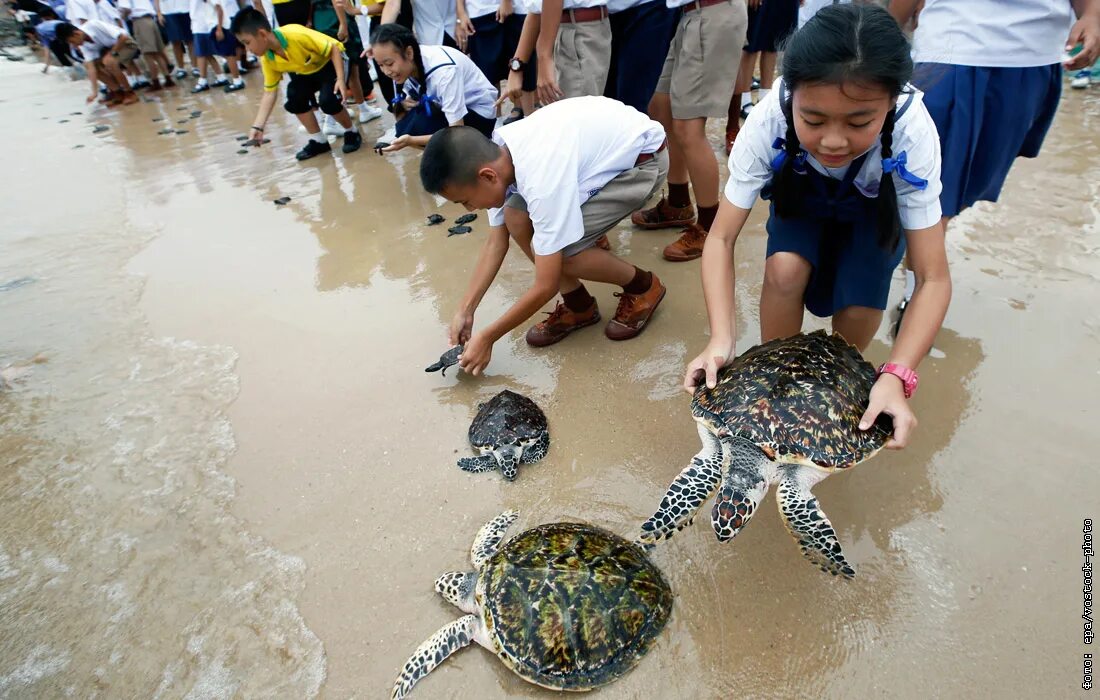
(331, 128)
(1081, 79)
(368, 113)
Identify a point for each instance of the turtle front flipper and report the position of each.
(747, 479)
(508, 457)
(449, 639)
(688, 491)
(481, 463)
(488, 538)
(807, 522)
(537, 449)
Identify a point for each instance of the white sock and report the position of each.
(200, 82)
(318, 137)
(910, 284)
(746, 98)
(764, 93)
(239, 81)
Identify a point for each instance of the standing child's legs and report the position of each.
(786, 276)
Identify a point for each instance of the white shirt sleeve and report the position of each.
(496, 216)
(447, 88)
(917, 136)
(750, 162)
(554, 203)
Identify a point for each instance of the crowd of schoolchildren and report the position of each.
(865, 144)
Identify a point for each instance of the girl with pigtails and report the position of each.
(849, 158)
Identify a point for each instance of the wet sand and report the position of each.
(308, 326)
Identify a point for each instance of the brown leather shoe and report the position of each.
(688, 246)
(634, 312)
(603, 243)
(663, 215)
(560, 323)
(129, 97)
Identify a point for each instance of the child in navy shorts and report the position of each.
(210, 21)
(849, 157)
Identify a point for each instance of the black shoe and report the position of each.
(200, 88)
(515, 116)
(352, 141)
(233, 87)
(313, 148)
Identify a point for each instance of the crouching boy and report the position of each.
(555, 182)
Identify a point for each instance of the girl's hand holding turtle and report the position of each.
(704, 368)
(400, 142)
(343, 91)
(888, 396)
(476, 355)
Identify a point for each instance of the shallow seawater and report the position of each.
(225, 474)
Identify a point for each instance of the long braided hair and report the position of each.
(401, 38)
(850, 43)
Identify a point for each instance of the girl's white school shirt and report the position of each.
(203, 17)
(480, 8)
(750, 162)
(564, 154)
(992, 33)
(458, 84)
(230, 8)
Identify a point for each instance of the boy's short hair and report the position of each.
(65, 31)
(249, 21)
(453, 156)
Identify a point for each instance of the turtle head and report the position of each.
(743, 487)
(457, 588)
(508, 457)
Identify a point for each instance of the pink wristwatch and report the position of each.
(907, 376)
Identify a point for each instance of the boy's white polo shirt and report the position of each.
(750, 161)
(564, 154)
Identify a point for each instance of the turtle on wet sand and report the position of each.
(509, 430)
(458, 230)
(785, 413)
(434, 219)
(566, 606)
(466, 218)
(447, 359)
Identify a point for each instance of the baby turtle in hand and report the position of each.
(434, 219)
(458, 230)
(508, 431)
(465, 218)
(447, 359)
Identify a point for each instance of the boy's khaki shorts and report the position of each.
(126, 54)
(702, 62)
(582, 56)
(147, 35)
(625, 193)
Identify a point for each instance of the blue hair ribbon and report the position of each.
(897, 163)
(781, 157)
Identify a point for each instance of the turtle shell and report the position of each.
(799, 399)
(507, 417)
(572, 606)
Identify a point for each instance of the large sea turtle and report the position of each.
(564, 605)
(508, 431)
(786, 413)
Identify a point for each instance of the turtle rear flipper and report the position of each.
(481, 463)
(688, 491)
(807, 522)
(449, 639)
(488, 538)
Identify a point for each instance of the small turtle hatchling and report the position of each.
(509, 430)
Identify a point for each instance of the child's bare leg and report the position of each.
(162, 58)
(177, 51)
(355, 85)
(699, 161)
(747, 66)
(309, 121)
(785, 278)
(231, 63)
(112, 69)
(660, 109)
(767, 69)
(343, 119)
(153, 66)
(598, 265)
(858, 324)
(202, 67)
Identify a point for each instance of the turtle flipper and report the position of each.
(688, 491)
(537, 450)
(449, 639)
(807, 522)
(749, 475)
(481, 463)
(488, 538)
